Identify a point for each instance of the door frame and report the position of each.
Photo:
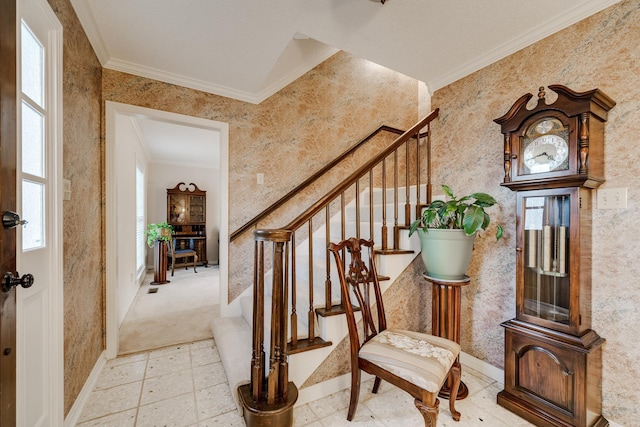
(112, 109)
(8, 160)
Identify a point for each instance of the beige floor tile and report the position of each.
(166, 386)
(129, 358)
(328, 405)
(121, 419)
(177, 411)
(121, 374)
(363, 417)
(204, 356)
(303, 416)
(228, 419)
(168, 363)
(214, 401)
(209, 375)
(111, 400)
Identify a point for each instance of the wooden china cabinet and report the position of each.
(186, 212)
(553, 159)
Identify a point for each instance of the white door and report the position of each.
(39, 308)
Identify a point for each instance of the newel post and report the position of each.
(269, 398)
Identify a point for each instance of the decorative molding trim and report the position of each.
(83, 397)
(581, 11)
(116, 108)
(253, 98)
(84, 13)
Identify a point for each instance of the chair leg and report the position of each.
(455, 373)
(429, 413)
(355, 393)
(376, 385)
(173, 264)
(195, 262)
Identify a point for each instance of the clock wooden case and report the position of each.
(555, 145)
(553, 159)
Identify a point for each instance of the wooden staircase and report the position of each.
(292, 312)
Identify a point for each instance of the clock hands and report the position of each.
(544, 153)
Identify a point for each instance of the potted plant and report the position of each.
(158, 232)
(157, 235)
(447, 230)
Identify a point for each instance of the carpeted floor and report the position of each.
(179, 312)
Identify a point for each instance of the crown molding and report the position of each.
(254, 98)
(579, 12)
(85, 15)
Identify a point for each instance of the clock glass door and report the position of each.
(546, 293)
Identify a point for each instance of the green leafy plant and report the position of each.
(161, 231)
(466, 213)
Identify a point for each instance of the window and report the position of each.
(34, 139)
(140, 221)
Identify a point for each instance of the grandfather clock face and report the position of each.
(544, 147)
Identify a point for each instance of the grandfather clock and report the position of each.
(553, 159)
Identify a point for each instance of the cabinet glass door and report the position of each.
(546, 272)
(177, 208)
(196, 209)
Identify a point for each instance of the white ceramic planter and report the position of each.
(446, 253)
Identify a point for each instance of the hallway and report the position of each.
(178, 312)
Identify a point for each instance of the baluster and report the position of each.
(257, 354)
(327, 282)
(276, 310)
(371, 218)
(357, 188)
(294, 292)
(384, 205)
(407, 203)
(418, 163)
(311, 315)
(395, 200)
(428, 201)
(283, 369)
(343, 302)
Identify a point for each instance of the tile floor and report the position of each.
(185, 385)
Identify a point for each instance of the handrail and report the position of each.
(310, 180)
(311, 253)
(345, 184)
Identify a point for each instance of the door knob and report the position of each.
(11, 219)
(9, 281)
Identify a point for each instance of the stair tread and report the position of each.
(306, 345)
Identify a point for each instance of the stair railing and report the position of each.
(313, 178)
(270, 390)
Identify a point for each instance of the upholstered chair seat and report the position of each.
(421, 359)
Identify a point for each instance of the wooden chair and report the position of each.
(180, 254)
(415, 362)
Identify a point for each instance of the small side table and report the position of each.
(445, 321)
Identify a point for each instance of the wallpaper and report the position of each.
(599, 52)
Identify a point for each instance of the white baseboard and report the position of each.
(76, 410)
(482, 367)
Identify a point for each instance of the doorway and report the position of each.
(122, 287)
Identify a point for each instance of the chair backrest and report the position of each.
(359, 284)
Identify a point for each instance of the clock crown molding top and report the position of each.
(570, 102)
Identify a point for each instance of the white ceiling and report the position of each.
(169, 142)
(250, 49)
